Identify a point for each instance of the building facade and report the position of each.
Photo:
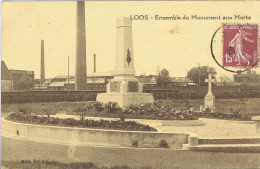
(6, 79)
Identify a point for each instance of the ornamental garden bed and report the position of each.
(157, 111)
(232, 115)
(83, 123)
(153, 111)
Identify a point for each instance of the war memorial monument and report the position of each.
(124, 89)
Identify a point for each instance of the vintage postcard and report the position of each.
(130, 84)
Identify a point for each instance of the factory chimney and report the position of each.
(94, 63)
(81, 71)
(42, 63)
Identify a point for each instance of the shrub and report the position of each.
(207, 110)
(235, 112)
(82, 116)
(163, 144)
(98, 106)
(47, 112)
(135, 143)
(112, 106)
(122, 117)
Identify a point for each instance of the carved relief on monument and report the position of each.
(115, 86)
(132, 86)
(128, 58)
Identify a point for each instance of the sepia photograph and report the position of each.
(130, 84)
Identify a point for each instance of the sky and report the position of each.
(177, 45)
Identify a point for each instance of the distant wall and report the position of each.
(196, 92)
(176, 92)
(47, 96)
(92, 136)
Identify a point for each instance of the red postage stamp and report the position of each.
(240, 45)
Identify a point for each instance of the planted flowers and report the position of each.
(101, 124)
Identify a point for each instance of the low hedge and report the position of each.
(101, 124)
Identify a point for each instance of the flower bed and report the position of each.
(157, 112)
(101, 124)
(143, 111)
(232, 115)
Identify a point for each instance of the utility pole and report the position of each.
(199, 75)
(68, 75)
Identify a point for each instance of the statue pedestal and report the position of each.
(125, 99)
(209, 102)
(126, 91)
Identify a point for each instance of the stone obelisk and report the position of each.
(124, 89)
(42, 63)
(81, 71)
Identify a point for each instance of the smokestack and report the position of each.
(42, 63)
(94, 63)
(81, 72)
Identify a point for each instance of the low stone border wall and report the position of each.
(257, 123)
(93, 136)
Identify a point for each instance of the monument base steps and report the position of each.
(238, 148)
(238, 145)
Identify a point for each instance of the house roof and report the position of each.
(147, 79)
(100, 74)
(5, 74)
(57, 84)
(63, 77)
(180, 80)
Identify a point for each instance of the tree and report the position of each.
(163, 77)
(225, 80)
(200, 73)
(25, 83)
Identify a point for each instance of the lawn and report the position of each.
(42, 108)
(246, 106)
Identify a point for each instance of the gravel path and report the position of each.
(217, 128)
(212, 127)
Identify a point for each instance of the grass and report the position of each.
(57, 165)
(41, 108)
(246, 106)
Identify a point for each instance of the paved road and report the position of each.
(16, 150)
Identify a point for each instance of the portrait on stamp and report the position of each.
(240, 45)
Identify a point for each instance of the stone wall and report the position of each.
(79, 136)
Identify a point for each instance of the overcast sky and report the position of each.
(177, 45)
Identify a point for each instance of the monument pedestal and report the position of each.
(126, 91)
(125, 99)
(209, 102)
